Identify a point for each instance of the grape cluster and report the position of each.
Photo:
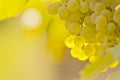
(94, 26)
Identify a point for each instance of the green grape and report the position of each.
(99, 7)
(74, 16)
(53, 8)
(93, 17)
(64, 1)
(69, 41)
(79, 41)
(84, 7)
(101, 22)
(74, 28)
(89, 50)
(77, 52)
(73, 5)
(63, 12)
(87, 21)
(116, 16)
(108, 14)
(111, 27)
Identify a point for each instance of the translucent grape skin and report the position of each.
(74, 28)
(77, 52)
(111, 27)
(116, 16)
(84, 7)
(63, 12)
(108, 14)
(73, 5)
(101, 22)
(99, 7)
(53, 8)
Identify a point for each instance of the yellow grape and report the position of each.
(79, 41)
(69, 41)
(92, 5)
(74, 28)
(114, 4)
(63, 12)
(53, 8)
(101, 22)
(93, 17)
(89, 50)
(99, 7)
(74, 16)
(111, 27)
(100, 37)
(87, 21)
(73, 5)
(84, 7)
(108, 14)
(78, 52)
(116, 16)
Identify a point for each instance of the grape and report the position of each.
(69, 41)
(74, 28)
(63, 12)
(108, 14)
(99, 7)
(116, 16)
(92, 5)
(84, 7)
(87, 21)
(53, 8)
(114, 4)
(101, 22)
(79, 41)
(94, 27)
(73, 5)
(93, 17)
(74, 16)
(89, 50)
(100, 37)
(111, 27)
(77, 52)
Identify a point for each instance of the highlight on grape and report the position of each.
(93, 26)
